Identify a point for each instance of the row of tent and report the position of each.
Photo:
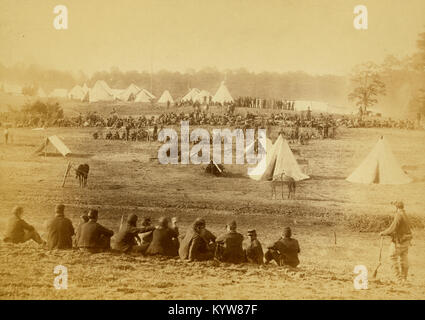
(102, 92)
(379, 167)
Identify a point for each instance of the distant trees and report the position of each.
(43, 110)
(368, 85)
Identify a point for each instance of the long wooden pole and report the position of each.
(68, 168)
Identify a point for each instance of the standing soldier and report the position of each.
(401, 235)
(60, 230)
(254, 251)
(6, 135)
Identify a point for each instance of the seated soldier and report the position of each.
(60, 230)
(93, 237)
(207, 235)
(284, 251)
(19, 231)
(229, 245)
(254, 251)
(164, 239)
(127, 240)
(194, 247)
(83, 219)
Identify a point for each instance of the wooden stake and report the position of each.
(335, 237)
(68, 168)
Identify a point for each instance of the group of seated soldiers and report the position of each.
(198, 244)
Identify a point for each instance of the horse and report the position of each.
(281, 180)
(82, 173)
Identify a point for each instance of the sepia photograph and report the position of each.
(194, 150)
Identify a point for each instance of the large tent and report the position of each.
(143, 96)
(41, 93)
(278, 161)
(56, 143)
(222, 95)
(101, 92)
(76, 93)
(380, 166)
(203, 97)
(130, 93)
(59, 93)
(191, 95)
(261, 148)
(166, 97)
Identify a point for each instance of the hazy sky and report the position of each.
(316, 36)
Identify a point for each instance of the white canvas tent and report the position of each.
(41, 93)
(191, 95)
(222, 95)
(143, 96)
(56, 143)
(279, 160)
(101, 92)
(76, 93)
(261, 148)
(85, 88)
(59, 93)
(203, 96)
(149, 93)
(380, 166)
(130, 93)
(166, 97)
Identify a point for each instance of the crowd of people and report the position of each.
(163, 239)
(197, 244)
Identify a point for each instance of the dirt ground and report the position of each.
(124, 179)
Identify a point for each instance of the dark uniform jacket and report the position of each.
(164, 242)
(91, 233)
(126, 237)
(233, 251)
(194, 247)
(399, 229)
(60, 232)
(254, 252)
(289, 249)
(16, 230)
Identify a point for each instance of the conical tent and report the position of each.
(142, 96)
(380, 166)
(76, 93)
(150, 94)
(41, 93)
(166, 97)
(85, 88)
(130, 93)
(260, 148)
(101, 92)
(280, 160)
(202, 96)
(222, 95)
(191, 95)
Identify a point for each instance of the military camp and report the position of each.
(202, 150)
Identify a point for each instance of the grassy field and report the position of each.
(124, 179)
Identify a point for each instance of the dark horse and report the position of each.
(82, 173)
